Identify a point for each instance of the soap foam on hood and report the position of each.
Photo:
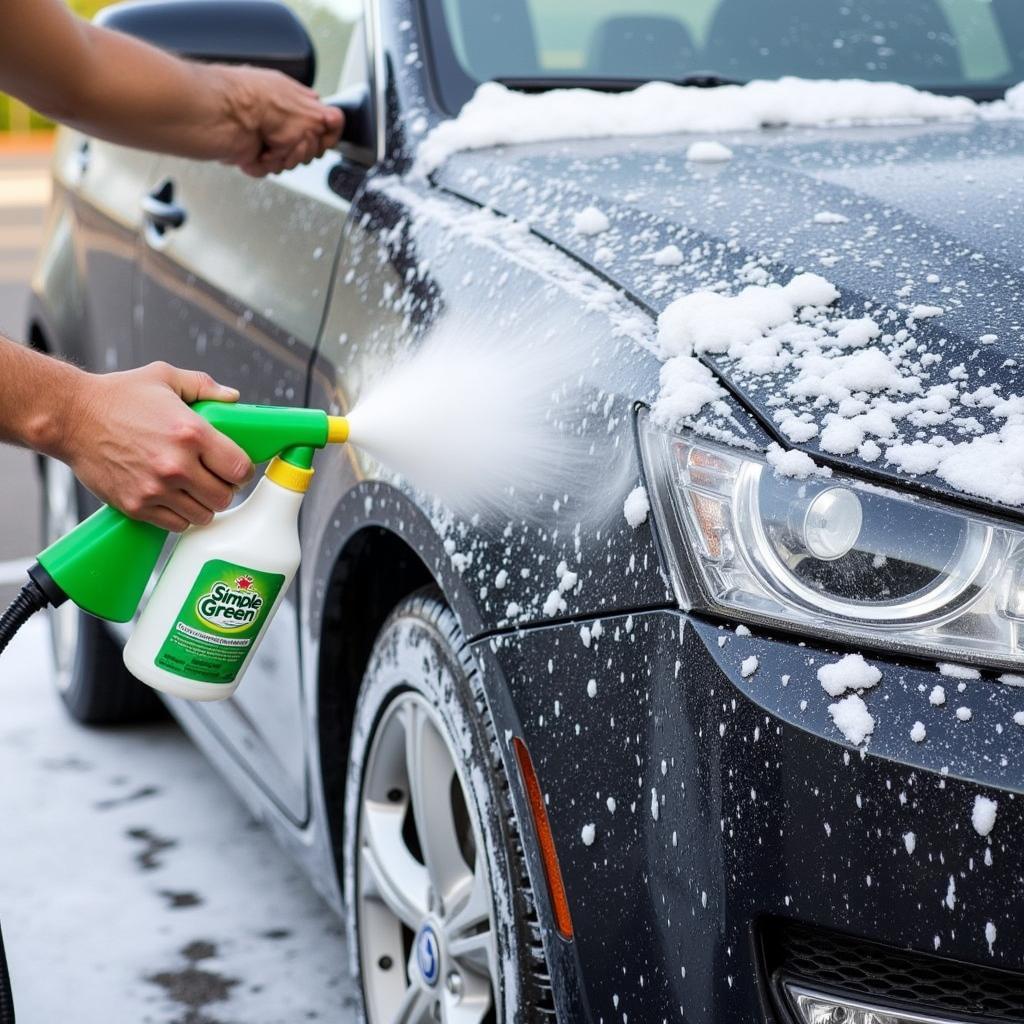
(497, 115)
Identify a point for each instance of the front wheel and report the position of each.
(441, 913)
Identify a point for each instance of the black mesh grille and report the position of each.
(893, 977)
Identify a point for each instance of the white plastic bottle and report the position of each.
(221, 587)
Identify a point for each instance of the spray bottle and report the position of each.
(221, 587)
(222, 583)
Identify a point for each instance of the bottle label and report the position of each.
(219, 622)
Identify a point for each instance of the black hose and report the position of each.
(30, 599)
(6, 999)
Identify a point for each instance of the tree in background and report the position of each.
(15, 116)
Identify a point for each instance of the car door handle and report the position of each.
(83, 156)
(160, 209)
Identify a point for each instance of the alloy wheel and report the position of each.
(426, 920)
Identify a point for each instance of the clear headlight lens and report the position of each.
(834, 556)
(820, 1008)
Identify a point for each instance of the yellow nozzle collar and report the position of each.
(294, 478)
(337, 430)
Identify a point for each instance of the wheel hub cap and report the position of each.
(428, 955)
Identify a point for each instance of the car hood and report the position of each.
(929, 215)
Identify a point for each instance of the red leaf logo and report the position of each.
(243, 582)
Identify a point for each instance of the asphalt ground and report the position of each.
(134, 886)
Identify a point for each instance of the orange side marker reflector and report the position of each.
(549, 856)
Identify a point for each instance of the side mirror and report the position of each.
(264, 33)
(359, 139)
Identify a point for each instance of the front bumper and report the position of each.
(737, 802)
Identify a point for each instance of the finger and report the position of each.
(334, 125)
(254, 169)
(316, 145)
(209, 489)
(165, 518)
(308, 148)
(194, 385)
(224, 459)
(326, 142)
(330, 140)
(188, 508)
(270, 162)
(291, 159)
(300, 152)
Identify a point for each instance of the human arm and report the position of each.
(125, 91)
(129, 437)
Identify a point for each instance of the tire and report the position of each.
(458, 940)
(90, 676)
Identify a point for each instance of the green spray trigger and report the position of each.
(104, 563)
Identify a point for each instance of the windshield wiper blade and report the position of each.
(536, 83)
(707, 80)
(696, 79)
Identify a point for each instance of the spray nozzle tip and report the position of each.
(337, 430)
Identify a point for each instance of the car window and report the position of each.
(331, 25)
(355, 68)
(975, 47)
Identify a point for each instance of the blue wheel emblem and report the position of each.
(427, 955)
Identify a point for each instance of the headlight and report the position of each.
(834, 556)
(825, 1008)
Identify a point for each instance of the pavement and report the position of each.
(134, 886)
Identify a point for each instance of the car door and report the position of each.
(235, 278)
(106, 184)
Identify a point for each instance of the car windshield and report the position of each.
(973, 47)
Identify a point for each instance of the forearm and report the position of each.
(111, 85)
(135, 94)
(37, 396)
(126, 91)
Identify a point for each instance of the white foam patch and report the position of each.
(668, 256)
(842, 381)
(708, 152)
(983, 815)
(590, 221)
(851, 672)
(852, 719)
(686, 386)
(954, 671)
(796, 464)
(498, 116)
(830, 217)
(636, 506)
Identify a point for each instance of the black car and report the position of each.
(729, 729)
